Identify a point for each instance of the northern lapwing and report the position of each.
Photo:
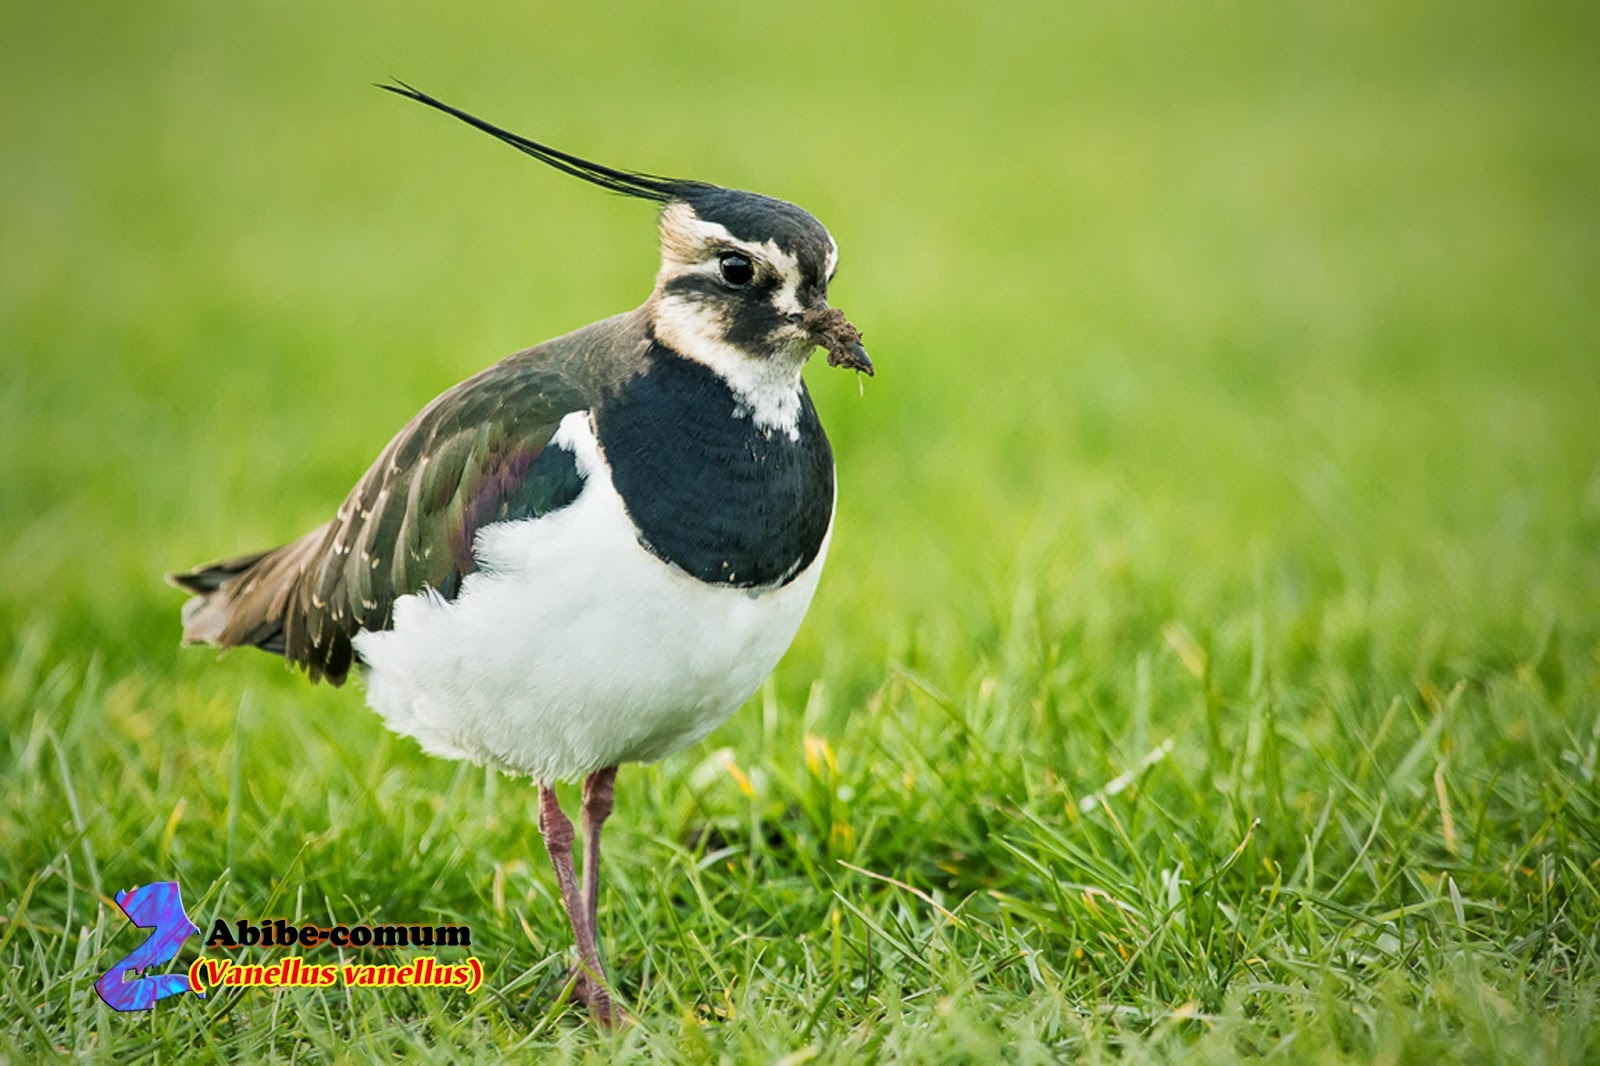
(592, 552)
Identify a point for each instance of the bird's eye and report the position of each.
(736, 269)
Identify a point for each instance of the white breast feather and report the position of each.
(572, 648)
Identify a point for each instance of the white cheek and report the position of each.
(687, 324)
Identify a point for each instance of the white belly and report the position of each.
(572, 648)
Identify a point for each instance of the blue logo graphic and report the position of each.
(157, 907)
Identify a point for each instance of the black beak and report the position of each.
(854, 357)
(834, 332)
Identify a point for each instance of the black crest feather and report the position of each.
(627, 182)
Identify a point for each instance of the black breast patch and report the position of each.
(711, 493)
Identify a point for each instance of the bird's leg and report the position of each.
(556, 829)
(597, 794)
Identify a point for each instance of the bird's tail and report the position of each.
(241, 602)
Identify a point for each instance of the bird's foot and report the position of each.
(597, 998)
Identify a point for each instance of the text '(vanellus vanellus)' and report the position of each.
(592, 552)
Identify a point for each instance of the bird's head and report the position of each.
(743, 285)
(745, 277)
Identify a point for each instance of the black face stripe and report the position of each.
(752, 321)
(711, 493)
(749, 313)
(697, 286)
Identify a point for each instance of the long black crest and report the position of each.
(627, 182)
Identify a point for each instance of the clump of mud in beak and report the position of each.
(834, 332)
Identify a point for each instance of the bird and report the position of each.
(592, 552)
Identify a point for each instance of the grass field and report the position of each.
(1208, 662)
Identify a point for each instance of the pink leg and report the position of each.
(597, 793)
(558, 837)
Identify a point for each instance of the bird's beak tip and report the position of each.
(842, 340)
(852, 357)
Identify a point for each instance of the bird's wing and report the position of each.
(478, 454)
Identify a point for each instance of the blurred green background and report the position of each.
(1199, 298)
(1258, 339)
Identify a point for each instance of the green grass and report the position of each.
(1208, 662)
